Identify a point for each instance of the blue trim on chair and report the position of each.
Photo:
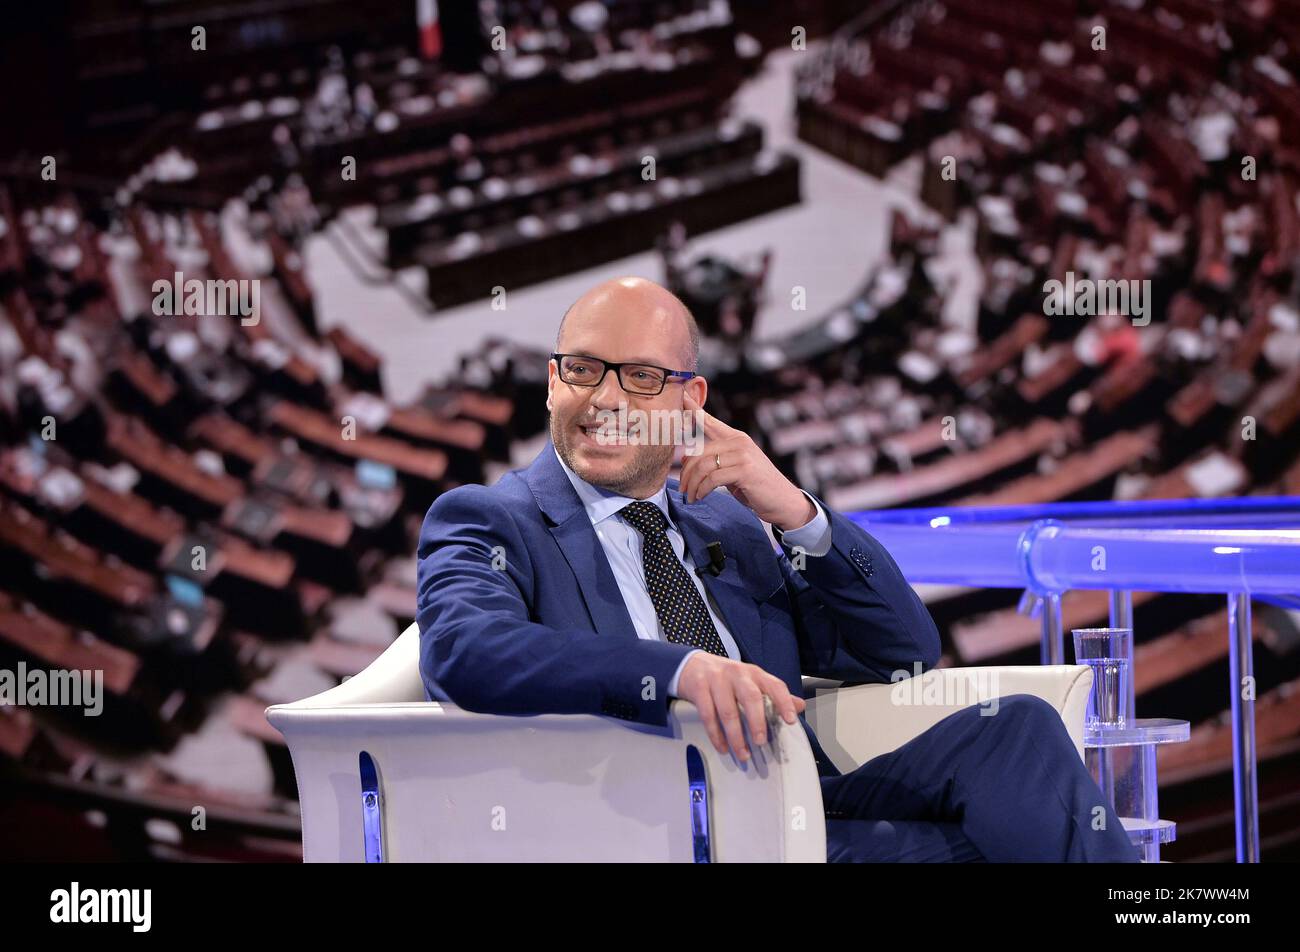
(372, 810)
(699, 792)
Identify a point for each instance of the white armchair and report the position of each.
(385, 775)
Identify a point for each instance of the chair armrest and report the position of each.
(855, 724)
(459, 786)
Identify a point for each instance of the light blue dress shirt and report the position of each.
(622, 545)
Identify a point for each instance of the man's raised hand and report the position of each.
(731, 458)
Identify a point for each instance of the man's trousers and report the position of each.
(997, 787)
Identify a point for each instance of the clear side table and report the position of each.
(1123, 762)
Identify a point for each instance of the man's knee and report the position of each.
(1015, 714)
(1029, 716)
(1029, 710)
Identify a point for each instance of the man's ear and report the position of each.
(550, 384)
(693, 432)
(699, 389)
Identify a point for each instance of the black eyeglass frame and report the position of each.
(618, 373)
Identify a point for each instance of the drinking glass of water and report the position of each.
(1109, 652)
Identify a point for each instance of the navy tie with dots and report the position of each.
(682, 612)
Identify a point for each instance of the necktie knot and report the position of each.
(644, 516)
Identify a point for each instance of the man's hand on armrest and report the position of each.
(723, 690)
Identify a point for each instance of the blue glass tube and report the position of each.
(1056, 557)
(1277, 511)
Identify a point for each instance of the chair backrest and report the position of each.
(855, 724)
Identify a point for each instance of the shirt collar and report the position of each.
(602, 503)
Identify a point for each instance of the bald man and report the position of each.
(568, 584)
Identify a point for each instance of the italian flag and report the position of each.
(426, 15)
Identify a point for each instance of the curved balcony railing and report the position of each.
(1241, 548)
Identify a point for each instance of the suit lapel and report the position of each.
(572, 531)
(582, 549)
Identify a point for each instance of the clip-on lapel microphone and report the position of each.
(717, 559)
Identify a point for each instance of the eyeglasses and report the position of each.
(645, 380)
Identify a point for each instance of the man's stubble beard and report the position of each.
(646, 464)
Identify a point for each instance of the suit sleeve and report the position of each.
(856, 617)
(479, 647)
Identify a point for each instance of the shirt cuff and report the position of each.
(814, 536)
(672, 684)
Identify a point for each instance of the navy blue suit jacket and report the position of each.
(519, 611)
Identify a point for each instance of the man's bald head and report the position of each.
(658, 313)
(627, 320)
